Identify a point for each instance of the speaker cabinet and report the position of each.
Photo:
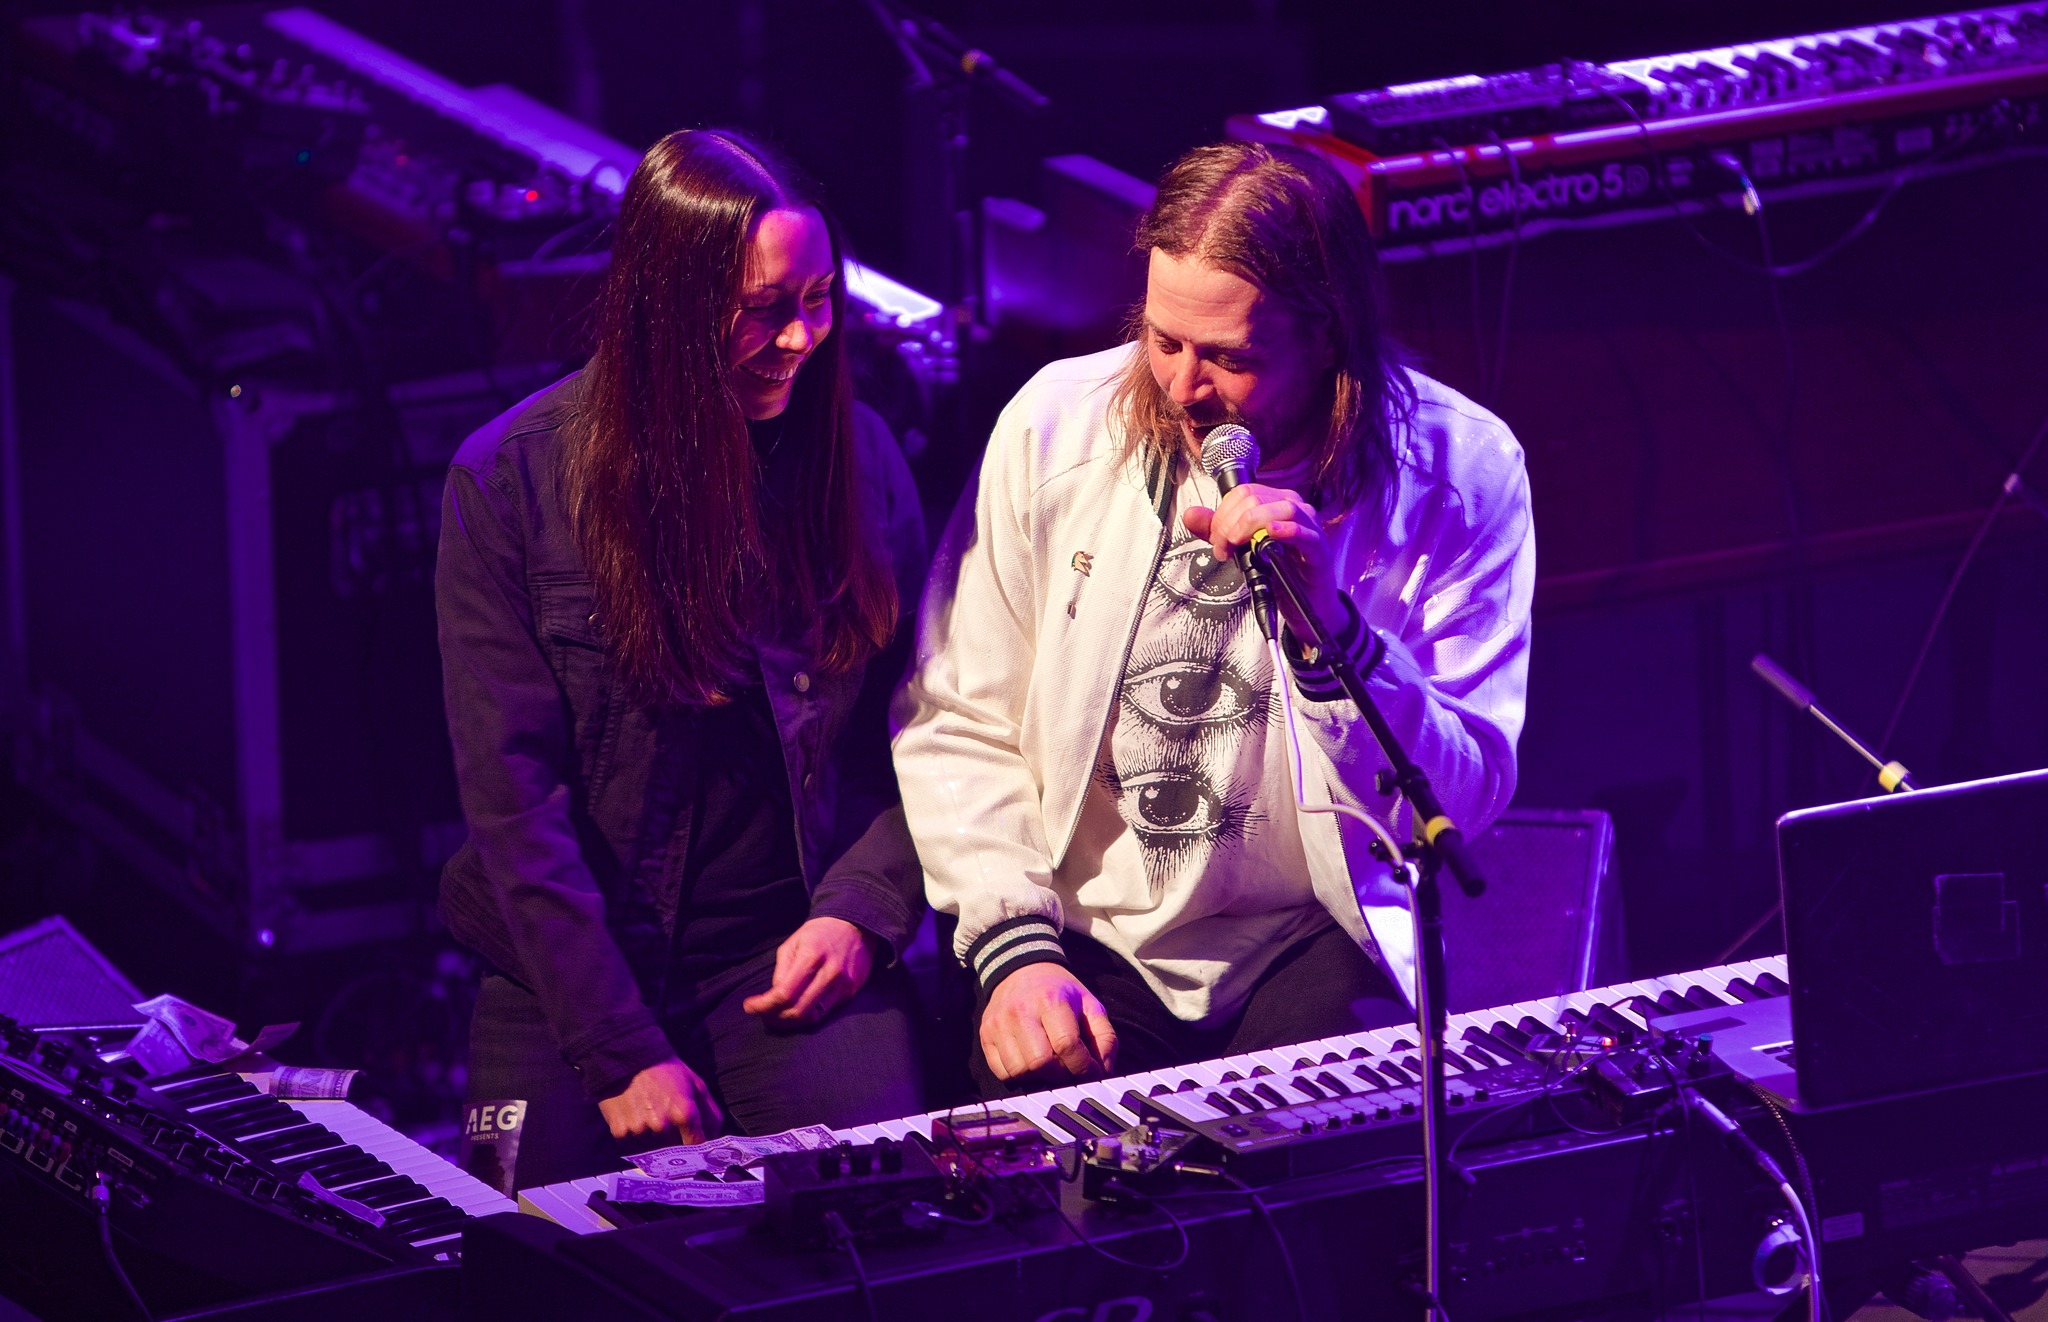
(1550, 921)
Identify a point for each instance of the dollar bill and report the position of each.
(688, 1193)
(199, 1034)
(686, 1160)
(156, 1050)
(303, 1083)
(203, 1035)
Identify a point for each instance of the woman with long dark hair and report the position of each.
(669, 593)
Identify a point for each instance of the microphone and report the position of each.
(1892, 775)
(1231, 457)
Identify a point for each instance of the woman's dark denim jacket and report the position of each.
(577, 800)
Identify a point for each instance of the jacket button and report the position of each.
(803, 682)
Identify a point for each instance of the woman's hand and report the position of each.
(664, 1096)
(819, 967)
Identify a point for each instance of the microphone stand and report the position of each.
(1891, 774)
(1442, 846)
(942, 64)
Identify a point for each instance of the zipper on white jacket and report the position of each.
(1163, 508)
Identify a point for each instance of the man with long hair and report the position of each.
(1091, 747)
(668, 588)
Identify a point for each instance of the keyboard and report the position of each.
(424, 1199)
(1446, 162)
(1354, 1065)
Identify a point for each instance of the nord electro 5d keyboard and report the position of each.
(207, 1190)
(1480, 157)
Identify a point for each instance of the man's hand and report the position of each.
(1292, 522)
(821, 965)
(664, 1096)
(1040, 1021)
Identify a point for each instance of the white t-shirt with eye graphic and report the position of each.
(1187, 860)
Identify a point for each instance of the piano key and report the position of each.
(1714, 979)
(1196, 1108)
(350, 1167)
(864, 1134)
(1265, 1089)
(421, 1217)
(392, 1191)
(210, 1090)
(1369, 1079)
(246, 1119)
(1610, 1021)
(894, 1129)
(1508, 1034)
(1248, 1061)
(567, 1204)
(1771, 984)
(282, 1142)
(1103, 1115)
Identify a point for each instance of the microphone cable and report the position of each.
(1281, 671)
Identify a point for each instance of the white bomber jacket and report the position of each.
(1035, 596)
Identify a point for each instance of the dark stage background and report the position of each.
(1708, 482)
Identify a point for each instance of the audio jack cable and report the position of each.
(102, 1202)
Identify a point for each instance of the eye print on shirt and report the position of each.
(1178, 816)
(1198, 586)
(1194, 698)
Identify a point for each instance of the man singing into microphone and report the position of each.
(1091, 746)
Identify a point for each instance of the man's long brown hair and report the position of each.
(688, 562)
(1284, 220)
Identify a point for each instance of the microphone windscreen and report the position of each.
(1229, 450)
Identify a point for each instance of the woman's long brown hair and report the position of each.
(1283, 219)
(689, 564)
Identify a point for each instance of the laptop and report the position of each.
(1916, 941)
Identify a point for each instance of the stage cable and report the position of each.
(1279, 1242)
(102, 1201)
(841, 1238)
(1457, 160)
(1507, 276)
(1281, 671)
(1899, 179)
(2014, 485)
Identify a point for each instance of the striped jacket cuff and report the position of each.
(1010, 945)
(1313, 678)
